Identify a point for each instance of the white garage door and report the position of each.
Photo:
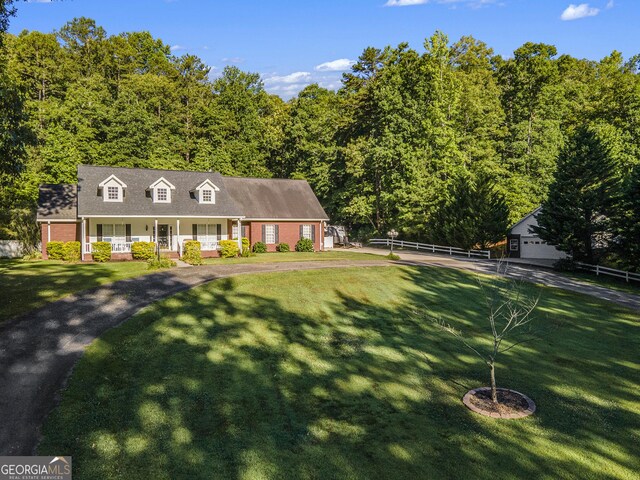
(533, 247)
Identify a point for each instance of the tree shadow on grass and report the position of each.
(30, 285)
(220, 382)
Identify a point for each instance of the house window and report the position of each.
(270, 234)
(306, 231)
(207, 196)
(113, 233)
(208, 232)
(514, 245)
(113, 193)
(162, 195)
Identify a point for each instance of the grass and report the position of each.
(329, 374)
(29, 285)
(604, 281)
(295, 257)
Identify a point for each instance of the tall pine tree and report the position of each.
(576, 215)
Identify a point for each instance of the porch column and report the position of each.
(239, 224)
(178, 237)
(155, 236)
(83, 241)
(48, 232)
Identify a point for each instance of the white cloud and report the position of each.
(574, 12)
(292, 78)
(175, 48)
(404, 3)
(339, 65)
(610, 4)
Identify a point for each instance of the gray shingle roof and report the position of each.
(137, 202)
(272, 198)
(238, 197)
(57, 202)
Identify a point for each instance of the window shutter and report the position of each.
(264, 233)
(218, 232)
(313, 233)
(127, 229)
(194, 231)
(301, 231)
(99, 228)
(277, 228)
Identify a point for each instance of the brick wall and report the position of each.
(288, 232)
(60, 232)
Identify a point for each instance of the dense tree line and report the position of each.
(449, 143)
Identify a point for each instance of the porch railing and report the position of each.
(208, 246)
(122, 247)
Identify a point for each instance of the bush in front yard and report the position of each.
(101, 251)
(304, 245)
(55, 250)
(143, 250)
(192, 252)
(259, 247)
(245, 243)
(229, 248)
(283, 247)
(163, 262)
(71, 251)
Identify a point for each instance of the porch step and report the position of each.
(180, 263)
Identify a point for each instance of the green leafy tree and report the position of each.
(627, 223)
(474, 215)
(576, 216)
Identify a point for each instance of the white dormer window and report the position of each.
(112, 189)
(162, 194)
(206, 192)
(161, 189)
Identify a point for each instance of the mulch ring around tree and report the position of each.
(511, 404)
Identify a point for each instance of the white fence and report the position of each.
(431, 248)
(11, 249)
(611, 272)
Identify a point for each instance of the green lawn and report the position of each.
(296, 257)
(29, 285)
(329, 374)
(604, 281)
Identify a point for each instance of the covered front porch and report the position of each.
(169, 233)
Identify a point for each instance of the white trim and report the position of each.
(83, 240)
(48, 232)
(107, 215)
(42, 220)
(116, 179)
(208, 182)
(162, 180)
(248, 219)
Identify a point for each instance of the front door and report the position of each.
(164, 236)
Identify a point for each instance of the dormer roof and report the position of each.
(112, 178)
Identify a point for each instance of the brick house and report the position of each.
(125, 205)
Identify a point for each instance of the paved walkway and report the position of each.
(516, 270)
(38, 351)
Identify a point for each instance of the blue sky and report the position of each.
(295, 42)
